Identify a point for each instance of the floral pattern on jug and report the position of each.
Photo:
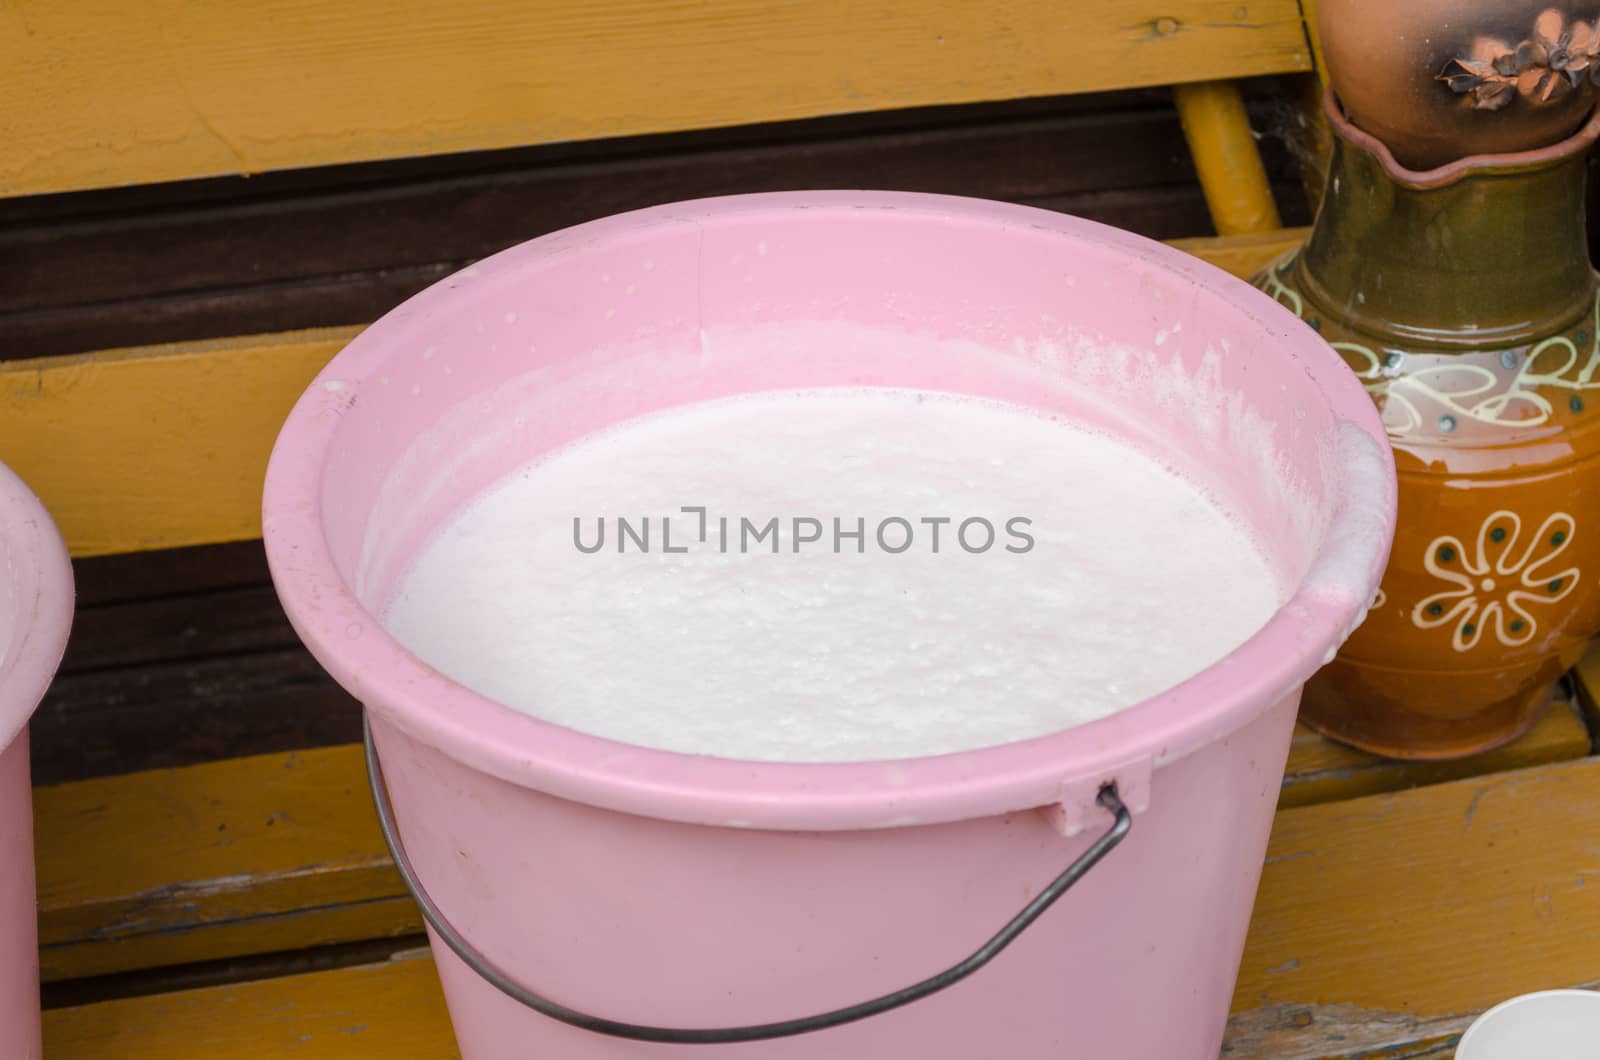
(1492, 585)
(1442, 80)
(1555, 60)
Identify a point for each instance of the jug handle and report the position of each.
(1107, 798)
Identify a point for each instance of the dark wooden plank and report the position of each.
(193, 626)
(289, 305)
(197, 975)
(360, 297)
(284, 184)
(308, 250)
(147, 717)
(1159, 213)
(424, 222)
(168, 572)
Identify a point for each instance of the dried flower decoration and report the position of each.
(1547, 67)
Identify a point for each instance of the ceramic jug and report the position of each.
(1464, 300)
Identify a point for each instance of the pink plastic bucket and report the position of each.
(35, 614)
(689, 892)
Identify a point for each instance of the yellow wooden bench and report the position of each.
(1397, 900)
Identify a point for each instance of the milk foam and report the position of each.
(1108, 579)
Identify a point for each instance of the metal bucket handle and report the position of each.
(756, 1032)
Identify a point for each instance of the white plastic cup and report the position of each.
(1550, 1025)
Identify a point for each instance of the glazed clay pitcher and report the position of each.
(1464, 300)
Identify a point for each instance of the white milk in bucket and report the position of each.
(834, 575)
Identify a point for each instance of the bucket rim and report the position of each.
(401, 690)
(46, 618)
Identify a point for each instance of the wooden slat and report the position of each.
(251, 855)
(112, 94)
(1243, 255)
(157, 446)
(330, 1014)
(1395, 918)
(392, 1010)
(1383, 925)
(163, 446)
(1323, 771)
(273, 852)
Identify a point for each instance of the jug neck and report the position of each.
(1488, 252)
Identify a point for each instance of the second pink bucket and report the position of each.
(650, 902)
(35, 614)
